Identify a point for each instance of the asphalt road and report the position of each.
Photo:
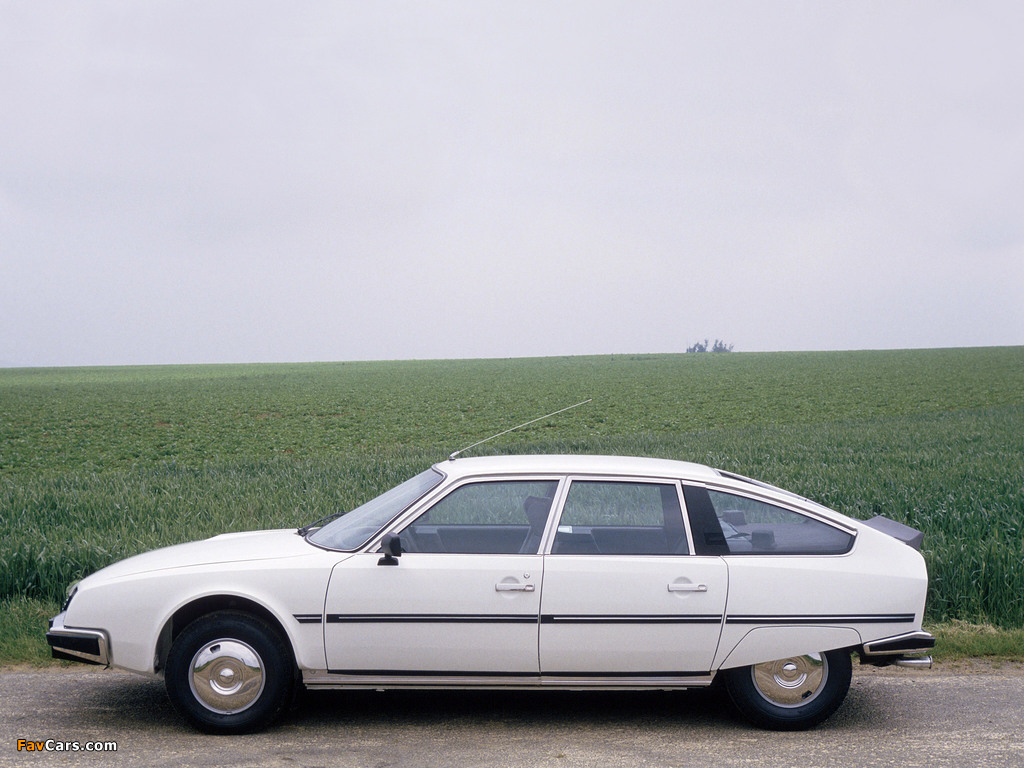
(967, 716)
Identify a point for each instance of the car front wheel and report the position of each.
(791, 694)
(230, 672)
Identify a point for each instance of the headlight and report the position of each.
(72, 588)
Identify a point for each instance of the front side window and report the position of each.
(755, 527)
(498, 517)
(353, 529)
(621, 518)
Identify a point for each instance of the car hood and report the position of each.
(226, 548)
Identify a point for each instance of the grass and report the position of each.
(963, 640)
(22, 634)
(100, 463)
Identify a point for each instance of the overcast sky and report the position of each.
(289, 181)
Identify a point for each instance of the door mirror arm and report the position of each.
(391, 546)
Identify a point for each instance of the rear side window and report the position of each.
(621, 518)
(753, 527)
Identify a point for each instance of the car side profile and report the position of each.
(571, 572)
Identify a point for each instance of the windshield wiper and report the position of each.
(307, 528)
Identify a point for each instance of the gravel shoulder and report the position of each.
(957, 714)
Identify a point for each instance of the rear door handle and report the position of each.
(503, 587)
(687, 587)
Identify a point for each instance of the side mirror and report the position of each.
(391, 545)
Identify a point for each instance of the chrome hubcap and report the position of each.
(226, 676)
(791, 682)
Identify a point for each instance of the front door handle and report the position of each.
(503, 587)
(687, 587)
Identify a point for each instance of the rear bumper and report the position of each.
(89, 646)
(903, 650)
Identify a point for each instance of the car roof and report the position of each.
(574, 464)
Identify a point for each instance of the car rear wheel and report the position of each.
(793, 693)
(230, 672)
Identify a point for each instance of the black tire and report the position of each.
(230, 672)
(791, 694)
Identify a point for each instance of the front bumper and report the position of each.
(89, 646)
(903, 650)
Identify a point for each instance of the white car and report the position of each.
(573, 572)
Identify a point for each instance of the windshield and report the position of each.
(355, 528)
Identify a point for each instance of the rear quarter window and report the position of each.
(755, 527)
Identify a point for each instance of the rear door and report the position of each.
(623, 596)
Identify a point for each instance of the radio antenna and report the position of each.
(513, 429)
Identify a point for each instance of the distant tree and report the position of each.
(718, 346)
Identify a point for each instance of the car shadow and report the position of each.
(133, 702)
(521, 709)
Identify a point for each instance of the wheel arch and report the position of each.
(208, 604)
(769, 643)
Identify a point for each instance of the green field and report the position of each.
(100, 463)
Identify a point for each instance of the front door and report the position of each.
(434, 613)
(463, 598)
